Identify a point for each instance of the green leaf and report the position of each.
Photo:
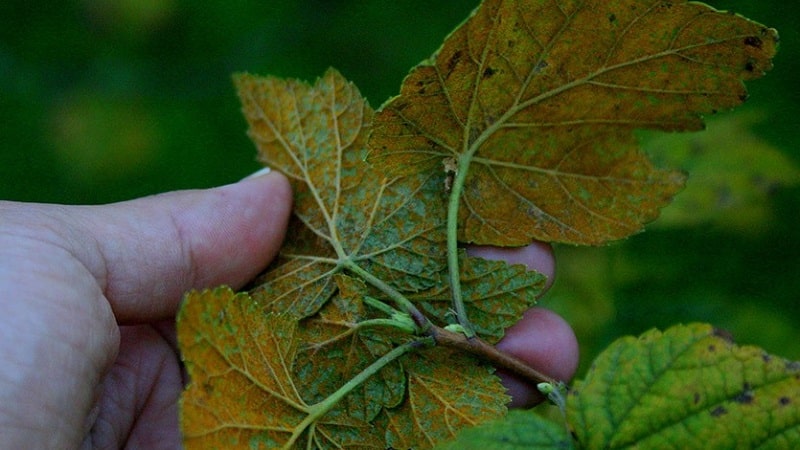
(519, 430)
(242, 392)
(345, 211)
(734, 174)
(538, 101)
(690, 388)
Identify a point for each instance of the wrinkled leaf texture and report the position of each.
(688, 387)
(541, 98)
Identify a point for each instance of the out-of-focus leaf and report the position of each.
(242, 393)
(690, 388)
(540, 98)
(519, 430)
(344, 209)
(732, 171)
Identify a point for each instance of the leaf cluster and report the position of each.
(364, 332)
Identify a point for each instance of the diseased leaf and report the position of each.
(539, 99)
(519, 430)
(496, 294)
(337, 345)
(345, 210)
(690, 387)
(447, 392)
(242, 392)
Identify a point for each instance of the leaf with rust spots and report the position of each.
(447, 392)
(338, 343)
(345, 211)
(242, 392)
(690, 386)
(538, 101)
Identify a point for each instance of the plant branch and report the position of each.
(478, 347)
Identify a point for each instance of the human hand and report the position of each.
(89, 296)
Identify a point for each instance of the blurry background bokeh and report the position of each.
(106, 100)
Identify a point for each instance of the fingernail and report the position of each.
(258, 173)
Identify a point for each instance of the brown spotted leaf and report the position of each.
(338, 343)
(538, 100)
(242, 393)
(690, 387)
(447, 392)
(345, 211)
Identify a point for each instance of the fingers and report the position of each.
(541, 338)
(148, 252)
(544, 341)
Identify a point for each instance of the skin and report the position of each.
(89, 295)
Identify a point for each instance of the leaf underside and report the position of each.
(540, 98)
(536, 103)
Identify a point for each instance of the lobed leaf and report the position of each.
(447, 392)
(345, 210)
(689, 388)
(538, 100)
(242, 392)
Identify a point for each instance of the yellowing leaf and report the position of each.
(346, 211)
(241, 392)
(689, 387)
(519, 430)
(447, 392)
(337, 346)
(538, 100)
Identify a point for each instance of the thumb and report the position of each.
(147, 252)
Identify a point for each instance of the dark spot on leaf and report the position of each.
(453, 61)
(766, 358)
(749, 66)
(488, 73)
(784, 401)
(743, 97)
(696, 398)
(746, 397)
(511, 44)
(612, 18)
(719, 411)
(753, 41)
(723, 334)
(712, 348)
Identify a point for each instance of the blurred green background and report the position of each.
(103, 101)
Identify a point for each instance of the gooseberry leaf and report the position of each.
(447, 392)
(338, 343)
(496, 294)
(242, 392)
(345, 210)
(689, 386)
(536, 102)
